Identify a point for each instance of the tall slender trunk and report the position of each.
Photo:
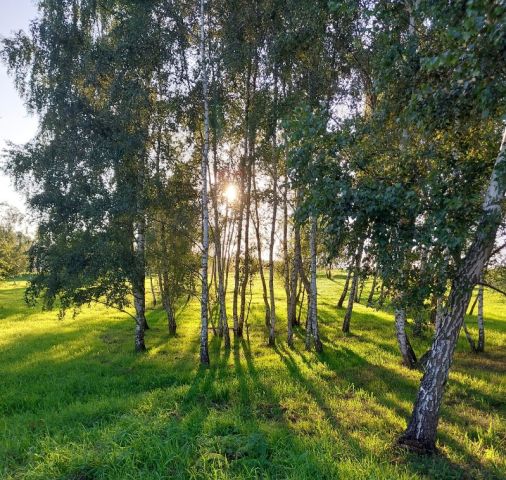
(204, 344)
(381, 299)
(469, 337)
(228, 249)
(237, 266)
(481, 328)
(473, 306)
(294, 277)
(421, 432)
(242, 172)
(346, 287)
(219, 260)
(139, 284)
(305, 283)
(246, 275)
(354, 284)
(373, 289)
(286, 259)
(272, 319)
(163, 280)
(312, 331)
(361, 289)
(169, 307)
(256, 224)
(152, 287)
(407, 352)
(301, 301)
(250, 133)
(213, 287)
(408, 355)
(140, 310)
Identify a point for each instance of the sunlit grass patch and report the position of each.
(77, 403)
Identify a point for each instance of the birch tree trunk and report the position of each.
(373, 289)
(312, 331)
(383, 294)
(242, 171)
(354, 284)
(204, 347)
(294, 277)
(481, 328)
(219, 260)
(166, 301)
(152, 286)
(251, 134)
(345, 289)
(256, 224)
(272, 320)
(473, 306)
(470, 340)
(407, 352)
(360, 291)
(286, 260)
(139, 284)
(296, 271)
(246, 275)
(237, 263)
(420, 434)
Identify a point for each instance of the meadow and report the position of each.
(77, 403)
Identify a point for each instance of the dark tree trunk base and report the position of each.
(410, 361)
(416, 446)
(204, 357)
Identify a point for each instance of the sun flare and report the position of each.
(230, 193)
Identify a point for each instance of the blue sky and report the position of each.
(15, 123)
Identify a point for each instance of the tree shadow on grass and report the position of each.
(264, 406)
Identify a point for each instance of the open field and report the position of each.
(77, 403)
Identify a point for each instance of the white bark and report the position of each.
(408, 355)
(345, 288)
(138, 285)
(421, 431)
(204, 348)
(354, 285)
(256, 224)
(481, 327)
(373, 289)
(312, 332)
(272, 311)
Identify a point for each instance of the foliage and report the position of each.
(14, 244)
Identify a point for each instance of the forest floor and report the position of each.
(77, 403)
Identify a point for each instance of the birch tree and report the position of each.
(204, 347)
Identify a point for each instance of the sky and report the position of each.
(16, 125)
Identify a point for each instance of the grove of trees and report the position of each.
(14, 243)
(201, 144)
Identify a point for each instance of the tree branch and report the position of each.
(492, 287)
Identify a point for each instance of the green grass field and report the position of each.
(77, 403)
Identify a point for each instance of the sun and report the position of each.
(230, 193)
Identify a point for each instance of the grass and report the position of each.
(77, 403)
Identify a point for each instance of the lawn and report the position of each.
(77, 403)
